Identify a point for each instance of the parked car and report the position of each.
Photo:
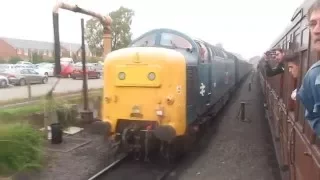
(22, 76)
(45, 69)
(23, 66)
(90, 70)
(6, 66)
(66, 70)
(66, 60)
(4, 82)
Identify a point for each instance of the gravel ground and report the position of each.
(234, 150)
(78, 164)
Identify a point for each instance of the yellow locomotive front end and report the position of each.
(145, 90)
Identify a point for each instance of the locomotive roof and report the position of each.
(187, 37)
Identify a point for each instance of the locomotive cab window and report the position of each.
(148, 40)
(204, 54)
(174, 41)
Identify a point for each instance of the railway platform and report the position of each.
(235, 149)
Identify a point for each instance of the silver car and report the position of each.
(24, 75)
(4, 82)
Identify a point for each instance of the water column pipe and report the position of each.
(106, 23)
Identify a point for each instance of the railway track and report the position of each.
(125, 168)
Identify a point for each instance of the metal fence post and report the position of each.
(29, 90)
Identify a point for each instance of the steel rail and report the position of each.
(109, 167)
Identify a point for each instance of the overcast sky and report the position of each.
(242, 26)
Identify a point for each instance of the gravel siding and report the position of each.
(235, 150)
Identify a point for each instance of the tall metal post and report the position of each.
(56, 35)
(85, 80)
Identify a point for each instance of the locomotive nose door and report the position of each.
(204, 77)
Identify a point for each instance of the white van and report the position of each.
(66, 60)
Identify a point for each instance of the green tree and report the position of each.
(36, 58)
(14, 60)
(120, 27)
(2, 61)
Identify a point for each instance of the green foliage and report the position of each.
(67, 115)
(94, 59)
(13, 114)
(94, 35)
(121, 22)
(36, 58)
(121, 31)
(21, 148)
(14, 60)
(2, 61)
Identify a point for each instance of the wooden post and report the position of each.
(29, 90)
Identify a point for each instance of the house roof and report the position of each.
(40, 45)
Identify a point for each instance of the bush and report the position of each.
(66, 115)
(21, 148)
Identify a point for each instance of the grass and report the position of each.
(13, 114)
(20, 100)
(21, 148)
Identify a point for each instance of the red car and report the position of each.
(90, 70)
(66, 70)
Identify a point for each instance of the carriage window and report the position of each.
(175, 41)
(305, 37)
(148, 40)
(214, 52)
(211, 52)
(297, 38)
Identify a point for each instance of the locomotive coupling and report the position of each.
(165, 132)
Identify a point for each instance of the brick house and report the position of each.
(10, 47)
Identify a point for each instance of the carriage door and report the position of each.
(204, 77)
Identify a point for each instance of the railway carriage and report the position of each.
(166, 84)
(297, 147)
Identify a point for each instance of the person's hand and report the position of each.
(266, 57)
(294, 94)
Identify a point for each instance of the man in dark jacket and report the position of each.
(278, 56)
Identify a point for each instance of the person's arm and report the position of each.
(275, 71)
(309, 95)
(294, 95)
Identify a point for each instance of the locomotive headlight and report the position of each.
(151, 76)
(122, 75)
(136, 109)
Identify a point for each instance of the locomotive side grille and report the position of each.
(191, 71)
